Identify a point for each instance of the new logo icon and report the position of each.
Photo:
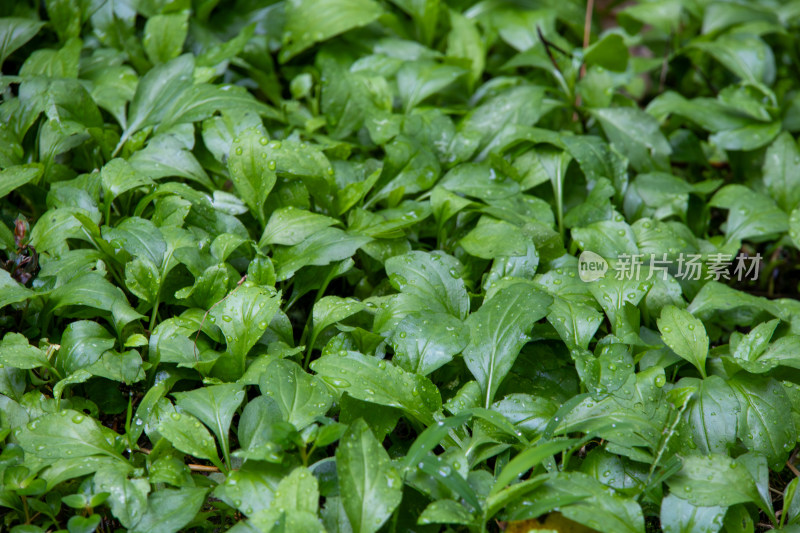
(591, 266)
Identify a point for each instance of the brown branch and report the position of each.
(587, 35)
(662, 78)
(192, 466)
(793, 469)
(202, 468)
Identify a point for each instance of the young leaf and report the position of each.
(685, 335)
(252, 175)
(679, 515)
(321, 248)
(169, 510)
(433, 277)
(760, 426)
(712, 416)
(636, 135)
(290, 226)
(17, 176)
(14, 32)
(372, 380)
(370, 486)
(164, 36)
(155, 92)
(17, 352)
(300, 397)
(313, 21)
(215, 407)
(243, 318)
(188, 435)
(425, 341)
(65, 435)
(782, 183)
(498, 330)
(712, 480)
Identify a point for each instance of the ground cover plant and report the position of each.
(313, 265)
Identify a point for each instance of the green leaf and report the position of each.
(464, 42)
(300, 397)
(118, 177)
(332, 309)
(492, 237)
(295, 504)
(164, 36)
(156, 92)
(297, 495)
(760, 426)
(680, 516)
(751, 215)
(113, 88)
(82, 343)
(749, 347)
(576, 323)
(597, 159)
(528, 459)
(420, 79)
(479, 181)
(713, 480)
(290, 226)
(215, 407)
(14, 32)
(712, 416)
(636, 135)
(585, 500)
(143, 279)
(17, 176)
(312, 21)
(783, 352)
(209, 288)
(781, 181)
(125, 367)
(434, 278)
(65, 435)
(498, 330)
(243, 318)
(445, 512)
(608, 52)
(370, 486)
(426, 341)
(17, 352)
(372, 380)
(83, 524)
(127, 497)
(139, 237)
(188, 435)
(750, 137)
(322, 248)
(92, 290)
(252, 175)
(250, 488)
(12, 292)
(744, 54)
(494, 121)
(166, 156)
(685, 335)
(169, 510)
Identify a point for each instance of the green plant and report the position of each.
(312, 265)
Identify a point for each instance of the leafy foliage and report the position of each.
(311, 265)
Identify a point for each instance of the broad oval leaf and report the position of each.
(498, 330)
(370, 486)
(685, 335)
